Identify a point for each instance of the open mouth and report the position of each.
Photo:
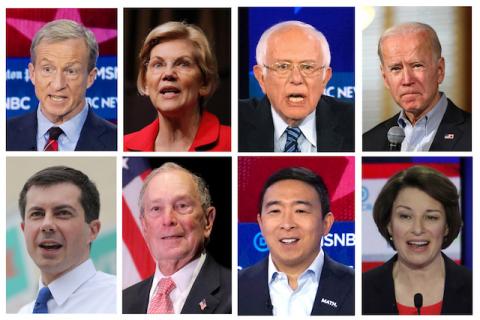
(169, 91)
(57, 98)
(289, 240)
(170, 237)
(50, 245)
(418, 243)
(296, 97)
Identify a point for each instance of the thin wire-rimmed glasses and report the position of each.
(285, 68)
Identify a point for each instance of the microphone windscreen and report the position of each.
(395, 135)
(418, 300)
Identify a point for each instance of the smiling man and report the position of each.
(293, 69)
(177, 216)
(413, 68)
(62, 68)
(60, 207)
(297, 278)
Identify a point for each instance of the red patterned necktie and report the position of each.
(52, 143)
(161, 302)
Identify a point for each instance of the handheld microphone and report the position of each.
(395, 136)
(418, 301)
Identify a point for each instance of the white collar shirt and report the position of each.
(307, 142)
(183, 278)
(81, 290)
(298, 302)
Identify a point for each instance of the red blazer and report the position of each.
(211, 136)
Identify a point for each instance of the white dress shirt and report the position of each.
(183, 278)
(81, 290)
(419, 137)
(307, 142)
(298, 302)
(71, 130)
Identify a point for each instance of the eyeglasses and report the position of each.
(183, 64)
(285, 68)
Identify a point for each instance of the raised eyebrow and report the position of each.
(402, 206)
(272, 203)
(303, 202)
(35, 208)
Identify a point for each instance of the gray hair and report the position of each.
(63, 29)
(261, 51)
(202, 187)
(409, 28)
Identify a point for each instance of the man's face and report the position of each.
(295, 95)
(56, 234)
(174, 223)
(61, 78)
(411, 73)
(291, 223)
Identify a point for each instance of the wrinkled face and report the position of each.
(173, 79)
(411, 73)
(56, 234)
(418, 226)
(61, 78)
(295, 95)
(291, 223)
(174, 223)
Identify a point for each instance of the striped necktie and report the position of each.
(293, 133)
(52, 143)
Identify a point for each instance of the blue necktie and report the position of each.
(41, 303)
(293, 133)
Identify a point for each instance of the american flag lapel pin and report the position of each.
(449, 136)
(203, 304)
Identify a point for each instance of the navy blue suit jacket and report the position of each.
(213, 284)
(97, 134)
(335, 293)
(334, 120)
(455, 122)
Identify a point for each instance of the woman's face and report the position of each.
(173, 78)
(418, 227)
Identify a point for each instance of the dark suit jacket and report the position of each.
(337, 284)
(378, 292)
(97, 134)
(335, 121)
(213, 283)
(455, 121)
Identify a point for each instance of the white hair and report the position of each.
(261, 51)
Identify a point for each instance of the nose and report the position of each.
(417, 227)
(48, 224)
(169, 73)
(169, 217)
(296, 76)
(288, 221)
(407, 77)
(59, 80)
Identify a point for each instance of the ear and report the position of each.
(94, 227)
(31, 72)
(258, 73)
(327, 76)
(328, 220)
(91, 77)
(441, 70)
(445, 233)
(22, 226)
(389, 228)
(259, 220)
(144, 224)
(204, 90)
(210, 218)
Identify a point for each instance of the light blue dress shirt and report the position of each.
(307, 142)
(71, 130)
(298, 302)
(419, 137)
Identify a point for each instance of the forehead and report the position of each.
(170, 183)
(173, 48)
(291, 190)
(294, 43)
(405, 44)
(416, 198)
(53, 195)
(69, 49)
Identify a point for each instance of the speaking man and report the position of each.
(60, 208)
(297, 278)
(177, 218)
(62, 68)
(413, 68)
(293, 69)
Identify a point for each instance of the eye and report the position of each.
(36, 214)
(282, 66)
(47, 69)
(183, 63)
(273, 211)
(417, 66)
(404, 216)
(183, 207)
(63, 214)
(432, 217)
(71, 71)
(307, 67)
(395, 69)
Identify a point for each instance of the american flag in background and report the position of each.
(137, 262)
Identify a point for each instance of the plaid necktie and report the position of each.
(41, 303)
(161, 302)
(293, 133)
(52, 143)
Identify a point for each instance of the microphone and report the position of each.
(418, 301)
(395, 136)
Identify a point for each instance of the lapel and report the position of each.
(138, 301)
(89, 136)
(456, 298)
(204, 290)
(328, 137)
(264, 130)
(25, 133)
(452, 125)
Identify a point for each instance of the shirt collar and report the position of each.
(307, 126)
(63, 287)
(71, 128)
(315, 268)
(432, 119)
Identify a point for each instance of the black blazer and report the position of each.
(335, 121)
(97, 134)
(378, 292)
(335, 293)
(213, 283)
(455, 121)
